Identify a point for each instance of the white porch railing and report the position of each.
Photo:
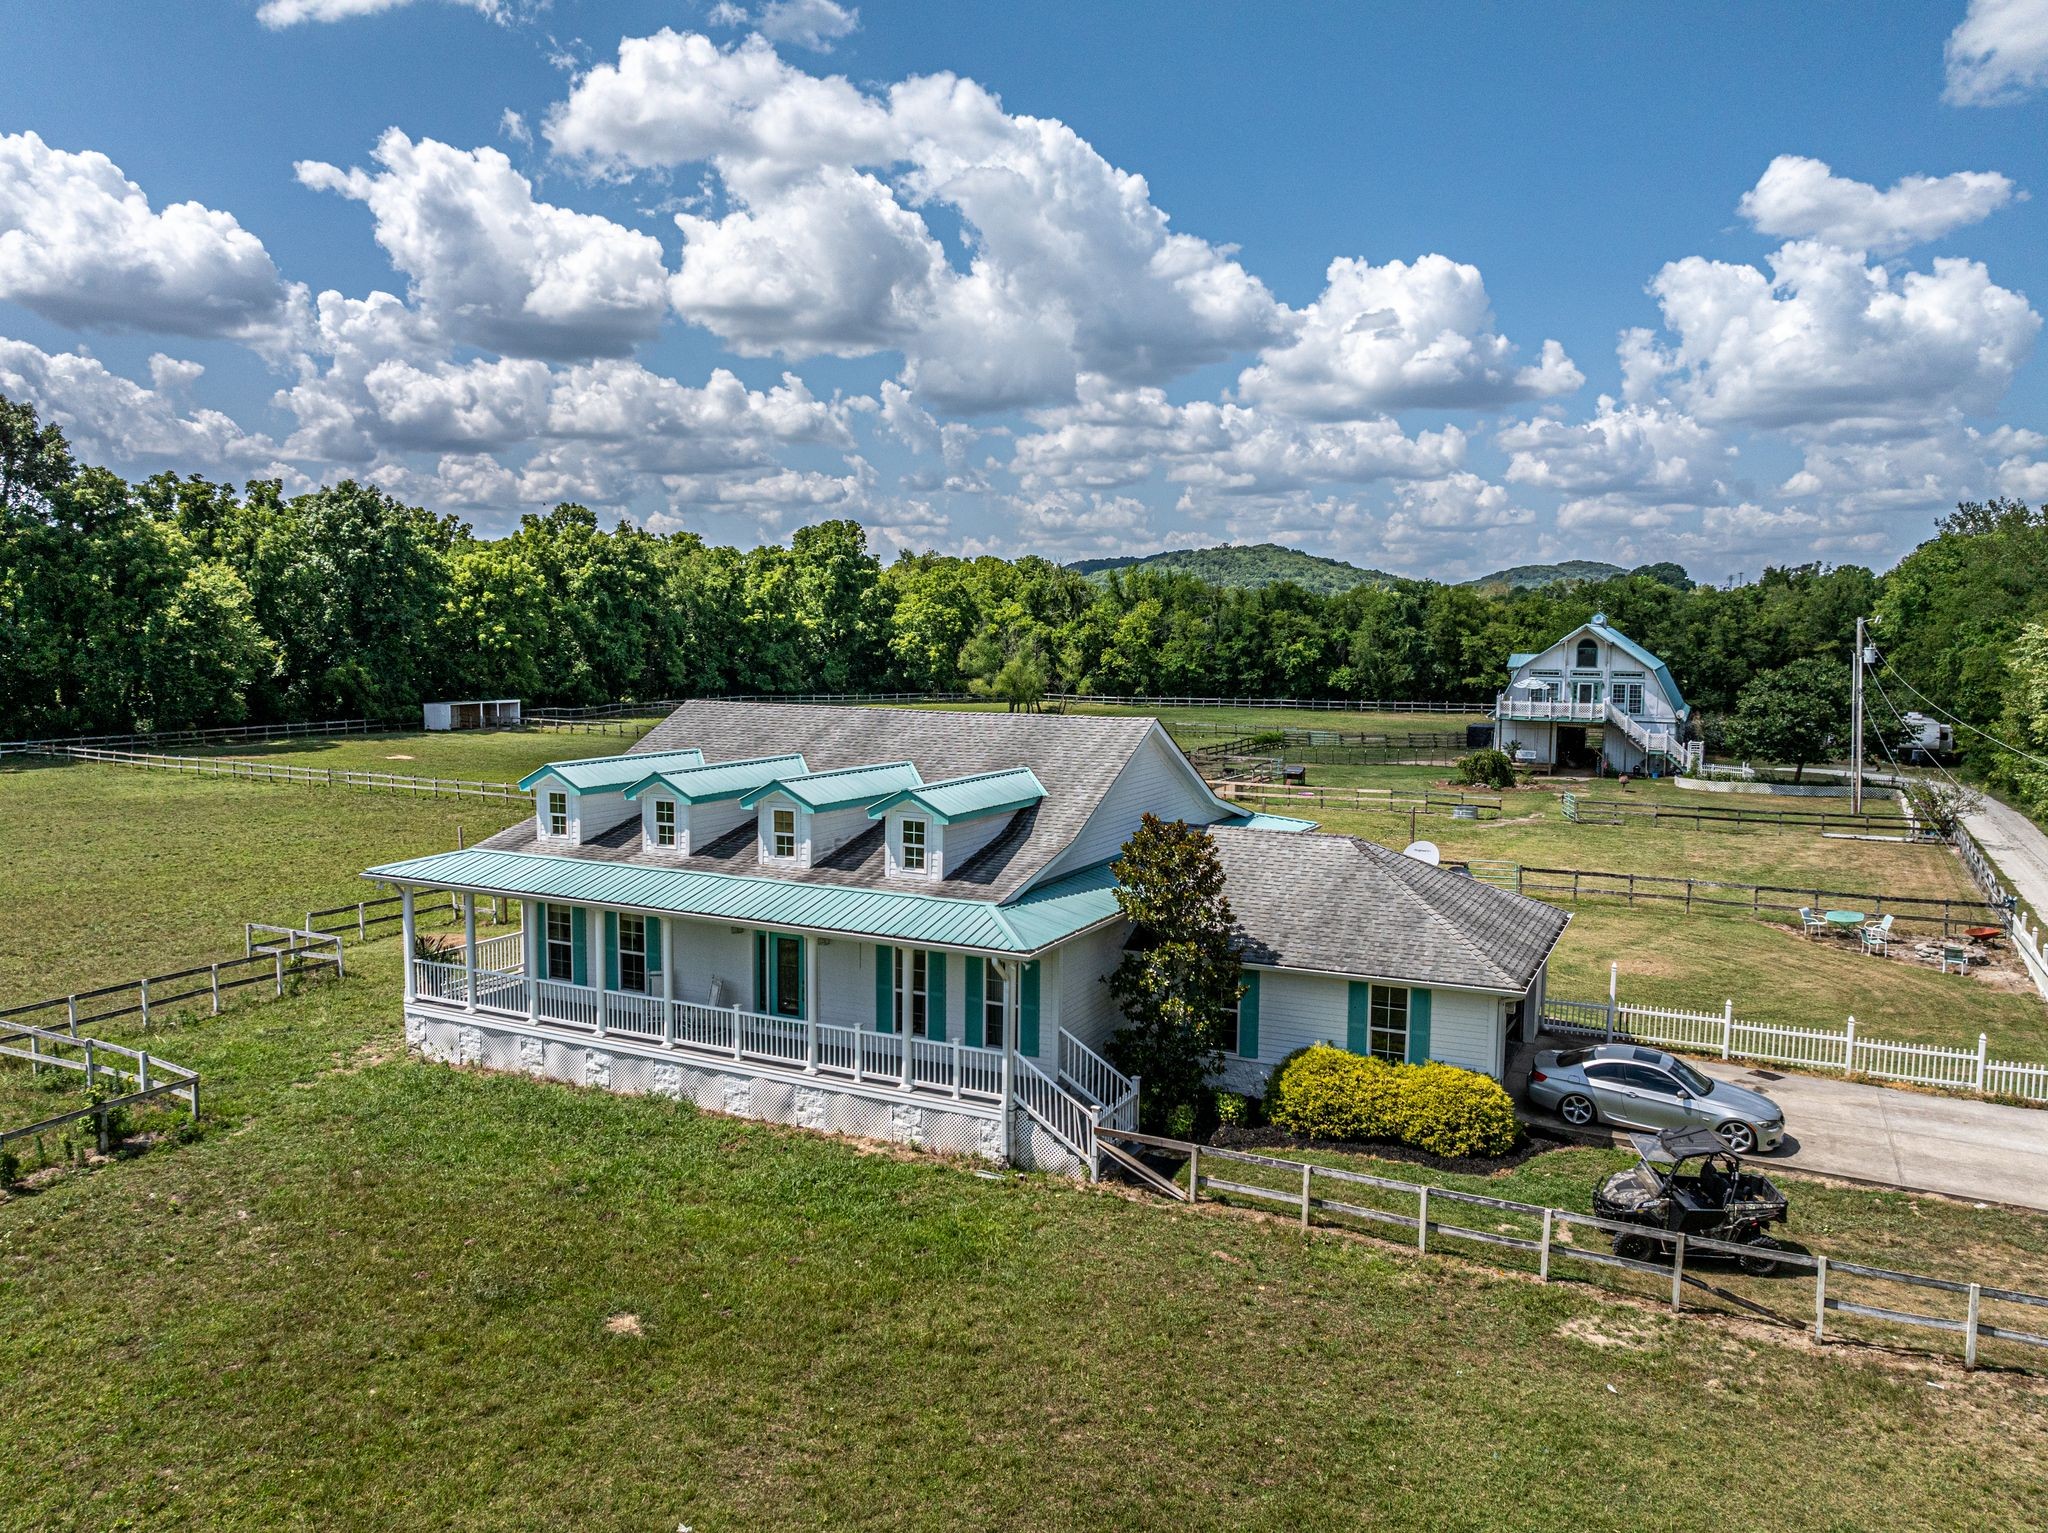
(1553, 710)
(928, 1066)
(505, 952)
(1094, 1078)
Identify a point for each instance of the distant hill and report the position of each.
(1245, 566)
(1527, 577)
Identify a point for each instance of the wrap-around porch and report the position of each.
(874, 1017)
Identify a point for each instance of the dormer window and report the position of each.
(558, 814)
(1588, 656)
(913, 846)
(664, 822)
(782, 833)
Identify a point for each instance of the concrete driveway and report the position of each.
(1909, 1139)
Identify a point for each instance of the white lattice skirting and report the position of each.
(832, 1107)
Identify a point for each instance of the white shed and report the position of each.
(472, 713)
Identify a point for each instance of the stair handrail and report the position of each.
(1061, 1114)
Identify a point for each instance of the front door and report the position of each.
(1586, 693)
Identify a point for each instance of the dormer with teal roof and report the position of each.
(684, 809)
(937, 827)
(574, 802)
(805, 817)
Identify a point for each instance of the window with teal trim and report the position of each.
(561, 943)
(913, 992)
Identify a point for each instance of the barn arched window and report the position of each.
(1589, 655)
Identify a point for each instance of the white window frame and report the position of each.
(913, 992)
(555, 812)
(776, 834)
(921, 861)
(565, 944)
(637, 927)
(995, 1007)
(664, 822)
(1381, 1004)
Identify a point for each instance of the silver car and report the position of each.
(1636, 1087)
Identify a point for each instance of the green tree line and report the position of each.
(178, 601)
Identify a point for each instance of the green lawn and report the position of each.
(1221, 722)
(385, 1294)
(487, 755)
(113, 873)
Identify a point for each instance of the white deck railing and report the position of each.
(928, 1066)
(505, 952)
(1061, 1114)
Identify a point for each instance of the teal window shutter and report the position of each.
(534, 919)
(1358, 1018)
(762, 1000)
(975, 1032)
(802, 1001)
(885, 988)
(611, 950)
(579, 946)
(935, 996)
(1027, 1012)
(1418, 1026)
(1248, 1016)
(654, 924)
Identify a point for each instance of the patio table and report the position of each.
(1844, 920)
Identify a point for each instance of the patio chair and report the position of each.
(1956, 955)
(1810, 922)
(1877, 937)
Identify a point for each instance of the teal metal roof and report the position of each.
(1650, 662)
(719, 780)
(1043, 917)
(1279, 822)
(969, 798)
(843, 789)
(610, 774)
(1520, 658)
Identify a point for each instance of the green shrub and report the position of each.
(1232, 1110)
(1488, 768)
(10, 1166)
(1180, 1121)
(1329, 1093)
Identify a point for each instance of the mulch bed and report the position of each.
(1535, 1141)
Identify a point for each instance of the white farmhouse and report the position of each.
(1595, 679)
(898, 924)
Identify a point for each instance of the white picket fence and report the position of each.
(1724, 1034)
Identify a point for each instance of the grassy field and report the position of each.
(113, 873)
(377, 1293)
(487, 755)
(1228, 722)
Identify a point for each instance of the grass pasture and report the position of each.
(379, 1293)
(480, 755)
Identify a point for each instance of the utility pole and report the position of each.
(1856, 726)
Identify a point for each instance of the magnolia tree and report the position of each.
(1178, 983)
(1793, 715)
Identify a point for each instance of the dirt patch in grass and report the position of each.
(1619, 1331)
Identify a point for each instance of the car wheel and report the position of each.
(1576, 1110)
(1739, 1137)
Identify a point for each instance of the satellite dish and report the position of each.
(1423, 851)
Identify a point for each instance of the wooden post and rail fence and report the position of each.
(1550, 1236)
(95, 1059)
(302, 776)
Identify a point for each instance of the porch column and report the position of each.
(811, 1007)
(469, 950)
(405, 927)
(671, 953)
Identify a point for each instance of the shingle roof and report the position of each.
(613, 774)
(1075, 757)
(1339, 905)
(1062, 908)
(841, 788)
(720, 780)
(967, 798)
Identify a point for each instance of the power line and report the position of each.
(2003, 745)
(1945, 772)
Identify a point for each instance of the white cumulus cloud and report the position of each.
(1799, 197)
(1998, 53)
(1400, 336)
(812, 24)
(80, 245)
(292, 13)
(495, 267)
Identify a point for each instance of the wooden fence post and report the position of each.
(1678, 1272)
(278, 955)
(1820, 1299)
(92, 1071)
(144, 987)
(1543, 1259)
(1422, 1220)
(216, 988)
(1194, 1173)
(1308, 1170)
(1970, 1329)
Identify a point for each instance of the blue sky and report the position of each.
(1733, 287)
